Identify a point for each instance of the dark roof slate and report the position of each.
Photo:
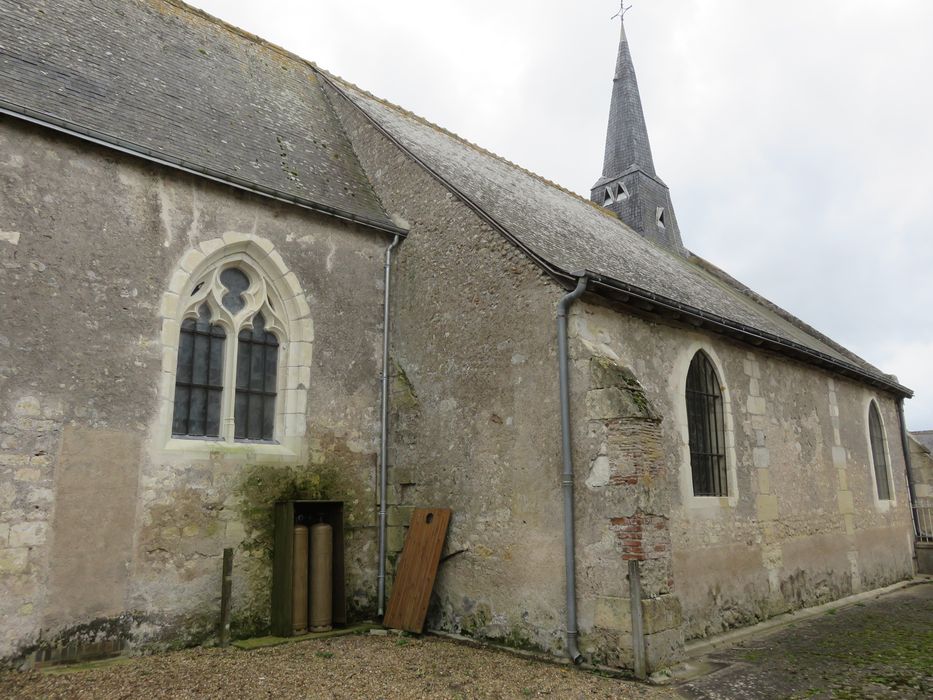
(572, 234)
(165, 78)
(925, 438)
(627, 143)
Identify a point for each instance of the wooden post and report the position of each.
(226, 588)
(638, 625)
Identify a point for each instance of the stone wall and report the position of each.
(475, 415)
(922, 462)
(475, 427)
(802, 524)
(104, 534)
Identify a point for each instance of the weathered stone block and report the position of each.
(605, 372)
(614, 402)
(839, 457)
(766, 507)
(846, 502)
(764, 481)
(28, 406)
(14, 561)
(756, 405)
(662, 613)
(27, 474)
(395, 538)
(399, 516)
(28, 534)
(664, 648)
(613, 613)
(401, 475)
(761, 457)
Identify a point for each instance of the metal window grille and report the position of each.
(878, 454)
(706, 429)
(923, 508)
(257, 363)
(199, 377)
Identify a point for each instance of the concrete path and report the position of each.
(879, 648)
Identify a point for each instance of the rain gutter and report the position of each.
(563, 362)
(384, 431)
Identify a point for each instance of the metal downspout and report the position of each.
(384, 431)
(567, 477)
(910, 468)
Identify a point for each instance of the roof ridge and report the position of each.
(427, 122)
(255, 38)
(233, 29)
(799, 323)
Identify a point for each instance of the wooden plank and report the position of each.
(414, 580)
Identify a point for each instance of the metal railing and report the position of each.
(923, 512)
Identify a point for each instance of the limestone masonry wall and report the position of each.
(802, 524)
(106, 538)
(475, 427)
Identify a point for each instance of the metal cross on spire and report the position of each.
(622, 10)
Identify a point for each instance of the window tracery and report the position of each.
(229, 390)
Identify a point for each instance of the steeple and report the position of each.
(629, 185)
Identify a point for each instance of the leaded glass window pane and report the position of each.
(706, 428)
(257, 365)
(878, 454)
(199, 377)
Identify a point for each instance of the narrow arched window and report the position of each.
(199, 377)
(879, 455)
(706, 428)
(256, 373)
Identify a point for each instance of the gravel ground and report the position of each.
(341, 667)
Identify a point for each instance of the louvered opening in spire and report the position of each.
(629, 185)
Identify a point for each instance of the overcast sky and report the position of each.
(796, 136)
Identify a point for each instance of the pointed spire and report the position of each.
(629, 185)
(627, 143)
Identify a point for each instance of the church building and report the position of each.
(229, 278)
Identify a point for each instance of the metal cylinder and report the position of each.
(322, 565)
(300, 580)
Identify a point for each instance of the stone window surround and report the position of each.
(702, 505)
(291, 323)
(882, 506)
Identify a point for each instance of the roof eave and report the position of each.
(624, 293)
(117, 144)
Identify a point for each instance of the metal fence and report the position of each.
(923, 517)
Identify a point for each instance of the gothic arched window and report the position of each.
(256, 373)
(199, 377)
(229, 390)
(706, 428)
(879, 456)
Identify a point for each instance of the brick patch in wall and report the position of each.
(642, 536)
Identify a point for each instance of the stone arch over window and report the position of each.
(233, 299)
(702, 411)
(879, 456)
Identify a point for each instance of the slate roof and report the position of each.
(627, 144)
(567, 234)
(163, 80)
(925, 438)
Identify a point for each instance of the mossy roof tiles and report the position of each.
(159, 77)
